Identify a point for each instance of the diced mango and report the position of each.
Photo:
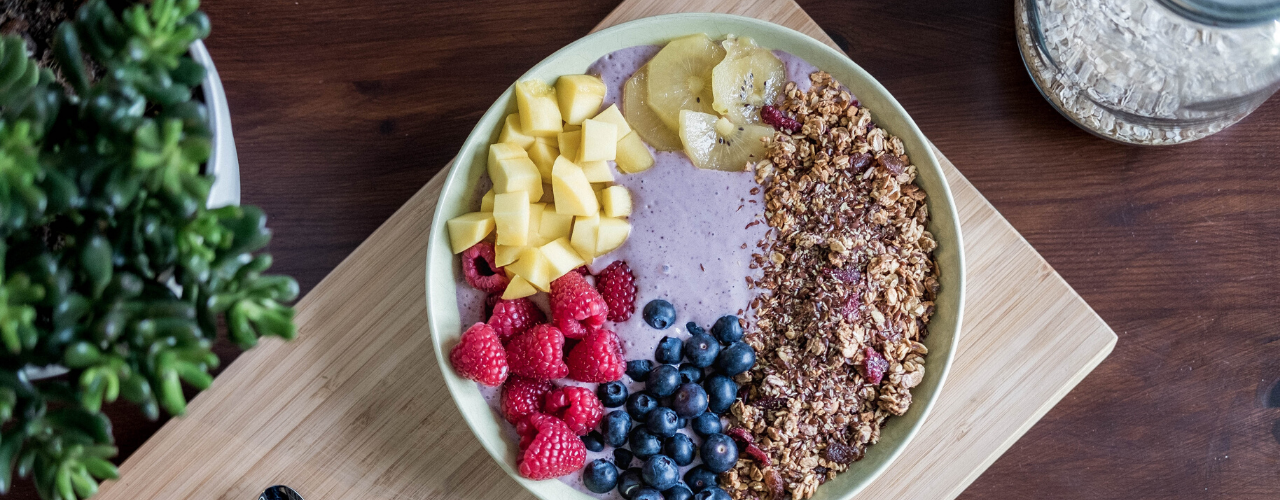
(569, 142)
(598, 188)
(597, 171)
(599, 141)
(573, 193)
(517, 288)
(486, 203)
(505, 254)
(543, 152)
(512, 134)
(612, 115)
(539, 111)
(468, 229)
(571, 128)
(561, 257)
(615, 201)
(633, 155)
(611, 233)
(511, 216)
(555, 225)
(585, 234)
(535, 222)
(510, 172)
(579, 97)
(533, 267)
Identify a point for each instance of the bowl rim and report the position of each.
(923, 158)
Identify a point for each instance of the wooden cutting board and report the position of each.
(355, 408)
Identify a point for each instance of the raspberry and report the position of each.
(549, 448)
(779, 120)
(538, 353)
(522, 396)
(597, 358)
(575, 300)
(480, 269)
(873, 366)
(577, 407)
(479, 356)
(513, 317)
(583, 270)
(489, 301)
(618, 287)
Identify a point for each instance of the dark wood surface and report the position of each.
(342, 110)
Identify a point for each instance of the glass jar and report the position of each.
(1152, 71)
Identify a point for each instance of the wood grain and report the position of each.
(343, 110)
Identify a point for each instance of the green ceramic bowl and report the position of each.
(442, 305)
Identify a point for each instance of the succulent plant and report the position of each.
(113, 266)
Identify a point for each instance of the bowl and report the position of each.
(442, 307)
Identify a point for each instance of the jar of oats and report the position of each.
(1152, 72)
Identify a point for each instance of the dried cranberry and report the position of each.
(841, 453)
(779, 120)
(873, 366)
(741, 434)
(860, 161)
(758, 454)
(892, 163)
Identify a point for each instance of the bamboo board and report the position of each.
(355, 409)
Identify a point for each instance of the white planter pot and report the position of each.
(222, 163)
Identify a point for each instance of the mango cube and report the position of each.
(533, 267)
(468, 229)
(615, 201)
(543, 152)
(579, 97)
(535, 222)
(610, 234)
(633, 155)
(505, 254)
(585, 234)
(569, 142)
(561, 257)
(612, 115)
(572, 190)
(597, 171)
(512, 134)
(517, 288)
(599, 141)
(539, 111)
(511, 217)
(486, 203)
(571, 128)
(511, 172)
(555, 225)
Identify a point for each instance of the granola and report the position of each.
(847, 287)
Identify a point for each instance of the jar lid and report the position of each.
(1226, 13)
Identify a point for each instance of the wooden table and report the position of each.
(342, 110)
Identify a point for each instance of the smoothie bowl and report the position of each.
(695, 254)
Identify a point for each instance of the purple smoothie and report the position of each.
(693, 232)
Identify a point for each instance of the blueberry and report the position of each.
(644, 444)
(593, 441)
(719, 453)
(639, 369)
(712, 493)
(721, 392)
(727, 329)
(707, 424)
(680, 448)
(669, 349)
(689, 401)
(678, 492)
(682, 423)
(628, 482)
(640, 404)
(701, 350)
(693, 328)
(690, 373)
(663, 381)
(661, 422)
(600, 476)
(735, 359)
(660, 472)
(698, 478)
(622, 457)
(616, 425)
(645, 493)
(659, 314)
(612, 394)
